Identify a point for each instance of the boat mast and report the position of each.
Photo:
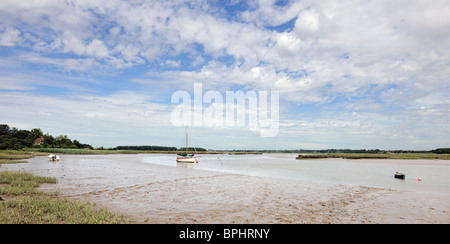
(186, 140)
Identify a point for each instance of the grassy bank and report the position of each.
(98, 151)
(22, 203)
(376, 156)
(78, 151)
(14, 156)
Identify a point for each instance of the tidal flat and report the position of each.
(267, 188)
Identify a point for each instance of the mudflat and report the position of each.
(154, 193)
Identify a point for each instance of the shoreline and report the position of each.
(265, 201)
(150, 193)
(399, 156)
(389, 155)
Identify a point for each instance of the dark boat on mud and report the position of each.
(399, 175)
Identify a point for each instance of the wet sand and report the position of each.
(150, 193)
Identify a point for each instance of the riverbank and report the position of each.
(156, 193)
(106, 151)
(10, 156)
(22, 203)
(13, 156)
(376, 156)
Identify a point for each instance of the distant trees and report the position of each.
(146, 148)
(15, 139)
(370, 151)
(4, 129)
(159, 148)
(441, 151)
(353, 151)
(191, 149)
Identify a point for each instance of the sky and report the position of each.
(350, 74)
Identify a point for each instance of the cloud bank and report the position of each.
(350, 73)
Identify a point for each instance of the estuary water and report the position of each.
(434, 174)
(267, 188)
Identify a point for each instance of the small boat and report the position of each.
(186, 157)
(399, 175)
(53, 158)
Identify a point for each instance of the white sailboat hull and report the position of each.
(186, 160)
(185, 157)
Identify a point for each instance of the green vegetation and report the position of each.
(419, 156)
(29, 210)
(79, 151)
(34, 142)
(24, 204)
(146, 148)
(353, 151)
(19, 183)
(114, 151)
(343, 155)
(376, 156)
(15, 139)
(12, 156)
(159, 148)
(441, 151)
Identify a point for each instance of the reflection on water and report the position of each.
(365, 172)
(185, 165)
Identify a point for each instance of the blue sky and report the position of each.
(351, 74)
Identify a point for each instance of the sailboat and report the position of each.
(186, 157)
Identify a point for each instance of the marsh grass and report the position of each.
(376, 156)
(24, 204)
(7, 161)
(99, 151)
(19, 183)
(47, 210)
(419, 156)
(15, 156)
(79, 151)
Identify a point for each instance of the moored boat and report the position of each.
(399, 175)
(186, 157)
(53, 158)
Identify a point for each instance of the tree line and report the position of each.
(354, 151)
(441, 151)
(15, 139)
(159, 148)
(146, 148)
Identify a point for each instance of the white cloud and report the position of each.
(375, 37)
(307, 23)
(173, 63)
(358, 55)
(289, 45)
(97, 49)
(10, 37)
